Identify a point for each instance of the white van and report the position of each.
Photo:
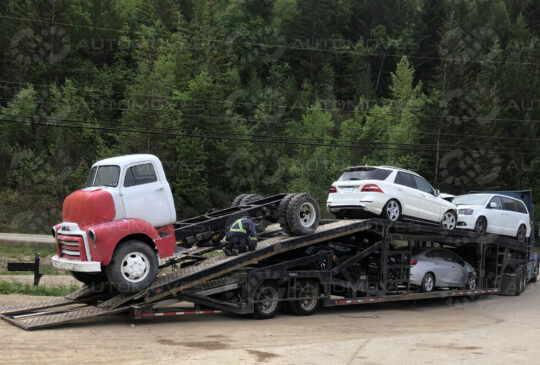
(493, 213)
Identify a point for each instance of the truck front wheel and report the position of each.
(133, 267)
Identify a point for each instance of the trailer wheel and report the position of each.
(133, 267)
(237, 200)
(308, 303)
(266, 301)
(428, 283)
(90, 278)
(302, 215)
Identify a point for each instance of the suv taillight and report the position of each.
(333, 189)
(414, 262)
(372, 187)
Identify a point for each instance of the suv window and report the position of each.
(140, 174)
(403, 178)
(422, 185)
(433, 253)
(521, 208)
(497, 200)
(509, 204)
(364, 173)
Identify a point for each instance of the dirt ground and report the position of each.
(494, 330)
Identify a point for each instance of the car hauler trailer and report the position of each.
(342, 262)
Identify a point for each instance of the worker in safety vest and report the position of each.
(241, 237)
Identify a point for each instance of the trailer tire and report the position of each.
(133, 267)
(266, 301)
(237, 200)
(428, 283)
(302, 215)
(90, 278)
(309, 291)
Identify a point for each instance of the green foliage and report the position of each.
(264, 96)
(16, 287)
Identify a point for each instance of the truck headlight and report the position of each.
(92, 235)
(465, 211)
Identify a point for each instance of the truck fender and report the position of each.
(108, 235)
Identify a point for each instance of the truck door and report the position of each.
(144, 196)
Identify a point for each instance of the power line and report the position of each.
(253, 140)
(310, 49)
(286, 107)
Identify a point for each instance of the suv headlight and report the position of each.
(465, 211)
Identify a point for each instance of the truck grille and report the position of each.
(71, 247)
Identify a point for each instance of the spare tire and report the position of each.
(237, 200)
(302, 215)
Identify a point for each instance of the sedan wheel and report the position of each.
(428, 283)
(471, 281)
(449, 220)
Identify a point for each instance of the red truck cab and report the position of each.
(119, 224)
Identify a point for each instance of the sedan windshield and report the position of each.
(364, 173)
(470, 199)
(103, 176)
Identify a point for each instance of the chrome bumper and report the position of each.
(74, 265)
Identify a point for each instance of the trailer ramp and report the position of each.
(221, 264)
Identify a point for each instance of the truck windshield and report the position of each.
(470, 199)
(103, 176)
(364, 173)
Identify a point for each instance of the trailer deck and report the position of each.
(199, 274)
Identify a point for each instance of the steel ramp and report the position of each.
(57, 315)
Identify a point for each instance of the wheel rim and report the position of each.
(134, 267)
(472, 282)
(481, 226)
(267, 300)
(521, 234)
(309, 297)
(449, 221)
(428, 283)
(307, 214)
(392, 210)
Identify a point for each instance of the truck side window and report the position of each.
(140, 174)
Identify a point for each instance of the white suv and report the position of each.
(493, 213)
(391, 192)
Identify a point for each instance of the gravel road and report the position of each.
(494, 330)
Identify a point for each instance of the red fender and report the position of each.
(109, 234)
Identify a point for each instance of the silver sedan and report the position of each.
(433, 267)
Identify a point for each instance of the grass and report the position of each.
(15, 287)
(26, 254)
